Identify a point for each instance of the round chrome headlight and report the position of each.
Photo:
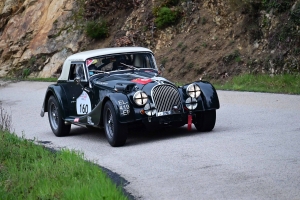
(191, 103)
(140, 98)
(150, 109)
(193, 90)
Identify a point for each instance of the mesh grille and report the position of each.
(166, 97)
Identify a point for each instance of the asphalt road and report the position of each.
(253, 152)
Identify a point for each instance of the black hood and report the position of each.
(140, 79)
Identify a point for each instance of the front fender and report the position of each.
(59, 94)
(208, 100)
(209, 96)
(123, 107)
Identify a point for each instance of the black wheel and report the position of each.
(57, 124)
(116, 133)
(205, 121)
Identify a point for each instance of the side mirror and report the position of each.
(77, 80)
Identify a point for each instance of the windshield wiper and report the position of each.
(130, 66)
(98, 71)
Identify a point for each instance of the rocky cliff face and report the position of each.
(36, 35)
(211, 40)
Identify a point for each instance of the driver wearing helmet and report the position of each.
(91, 64)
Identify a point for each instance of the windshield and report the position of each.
(120, 62)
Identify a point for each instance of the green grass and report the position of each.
(29, 171)
(41, 79)
(287, 84)
(30, 79)
(179, 84)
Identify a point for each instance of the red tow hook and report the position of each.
(190, 120)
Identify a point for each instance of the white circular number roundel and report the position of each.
(83, 104)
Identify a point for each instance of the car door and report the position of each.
(79, 101)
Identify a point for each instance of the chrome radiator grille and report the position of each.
(165, 97)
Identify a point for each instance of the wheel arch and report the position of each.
(102, 109)
(209, 96)
(47, 97)
(59, 95)
(116, 99)
(208, 99)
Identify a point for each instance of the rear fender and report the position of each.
(59, 94)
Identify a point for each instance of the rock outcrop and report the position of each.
(37, 35)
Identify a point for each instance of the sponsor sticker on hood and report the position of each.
(142, 80)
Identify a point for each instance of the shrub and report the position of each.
(203, 21)
(25, 73)
(166, 17)
(245, 6)
(32, 61)
(199, 70)
(180, 44)
(190, 65)
(255, 5)
(164, 61)
(170, 69)
(97, 29)
(233, 56)
(287, 35)
(238, 59)
(278, 5)
(167, 3)
(295, 14)
(183, 48)
(5, 120)
(296, 51)
(171, 2)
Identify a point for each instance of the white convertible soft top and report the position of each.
(82, 56)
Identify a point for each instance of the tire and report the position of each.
(57, 124)
(116, 133)
(205, 121)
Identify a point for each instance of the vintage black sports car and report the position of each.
(121, 88)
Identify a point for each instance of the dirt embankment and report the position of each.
(211, 39)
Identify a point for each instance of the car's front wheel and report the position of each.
(57, 124)
(205, 121)
(116, 132)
